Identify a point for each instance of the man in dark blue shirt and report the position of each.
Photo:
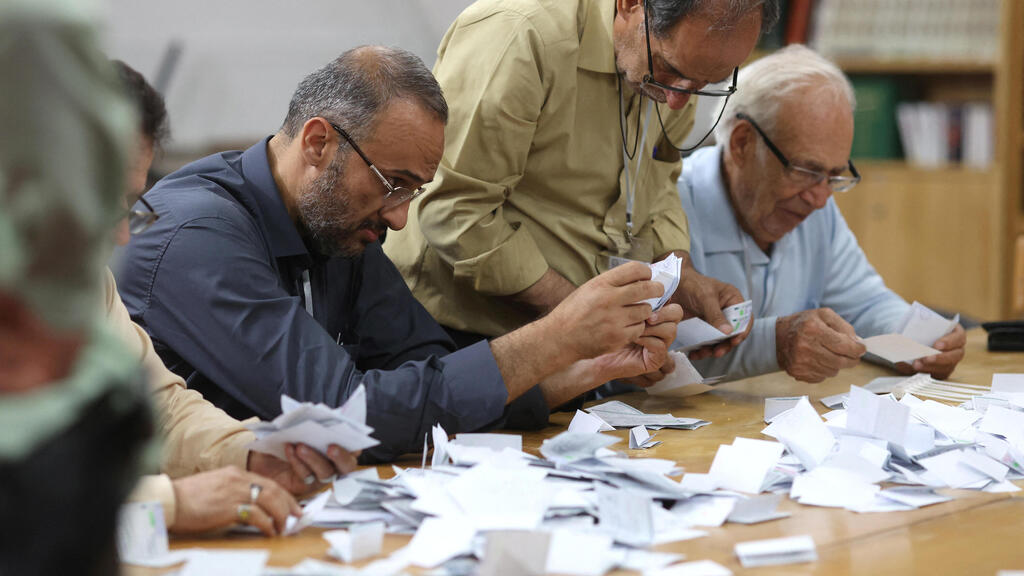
(264, 275)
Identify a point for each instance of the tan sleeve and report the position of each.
(197, 435)
(157, 488)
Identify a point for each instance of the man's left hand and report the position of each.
(704, 297)
(941, 366)
(306, 469)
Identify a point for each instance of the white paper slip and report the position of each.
(916, 496)
(744, 465)
(490, 440)
(1008, 383)
(641, 439)
(316, 425)
(515, 553)
(803, 432)
(579, 553)
(705, 510)
(438, 540)
(877, 416)
(309, 513)
(897, 348)
(644, 560)
(358, 542)
(347, 488)
(698, 568)
(572, 446)
(666, 272)
(695, 333)
(776, 551)
(588, 423)
(684, 381)
(835, 401)
(775, 406)
(142, 533)
(226, 563)
(1005, 422)
(757, 509)
(950, 468)
(625, 515)
(924, 326)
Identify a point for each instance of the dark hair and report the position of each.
(150, 104)
(665, 14)
(356, 86)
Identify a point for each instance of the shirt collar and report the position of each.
(597, 48)
(281, 232)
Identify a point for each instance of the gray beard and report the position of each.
(325, 215)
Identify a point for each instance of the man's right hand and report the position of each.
(607, 313)
(210, 501)
(816, 344)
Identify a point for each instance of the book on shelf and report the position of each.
(935, 134)
(935, 30)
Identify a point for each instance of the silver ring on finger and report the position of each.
(244, 513)
(254, 492)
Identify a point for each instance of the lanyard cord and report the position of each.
(631, 183)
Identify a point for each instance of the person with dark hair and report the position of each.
(567, 118)
(209, 475)
(264, 275)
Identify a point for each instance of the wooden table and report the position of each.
(976, 533)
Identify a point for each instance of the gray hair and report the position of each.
(665, 14)
(357, 85)
(765, 84)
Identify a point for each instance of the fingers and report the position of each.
(344, 461)
(299, 467)
(955, 339)
(838, 340)
(627, 274)
(277, 503)
(321, 467)
(638, 292)
(260, 519)
(666, 332)
(669, 313)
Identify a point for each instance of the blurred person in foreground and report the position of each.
(73, 403)
(763, 219)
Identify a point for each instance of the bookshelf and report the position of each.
(950, 236)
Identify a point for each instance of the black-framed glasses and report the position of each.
(805, 177)
(396, 195)
(716, 91)
(140, 220)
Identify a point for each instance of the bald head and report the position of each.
(354, 88)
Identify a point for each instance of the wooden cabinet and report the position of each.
(952, 237)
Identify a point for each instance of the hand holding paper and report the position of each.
(708, 299)
(816, 344)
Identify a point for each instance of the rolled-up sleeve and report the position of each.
(495, 97)
(218, 302)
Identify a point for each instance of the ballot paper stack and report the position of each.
(483, 505)
(316, 425)
(921, 446)
(666, 272)
(916, 332)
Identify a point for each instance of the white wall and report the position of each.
(243, 58)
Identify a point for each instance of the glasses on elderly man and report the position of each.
(395, 195)
(722, 89)
(805, 177)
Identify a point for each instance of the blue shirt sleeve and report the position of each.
(215, 298)
(853, 289)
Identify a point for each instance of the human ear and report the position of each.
(314, 142)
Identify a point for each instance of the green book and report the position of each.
(876, 134)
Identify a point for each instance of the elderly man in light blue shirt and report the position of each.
(762, 218)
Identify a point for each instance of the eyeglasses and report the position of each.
(140, 220)
(805, 177)
(396, 195)
(715, 91)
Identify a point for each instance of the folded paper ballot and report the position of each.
(641, 439)
(776, 551)
(622, 415)
(667, 272)
(896, 348)
(358, 542)
(696, 333)
(316, 425)
(684, 381)
(924, 326)
(586, 422)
